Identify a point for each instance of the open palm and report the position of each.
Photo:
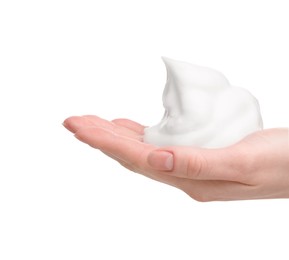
(256, 167)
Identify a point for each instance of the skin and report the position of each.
(255, 168)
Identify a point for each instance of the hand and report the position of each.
(255, 168)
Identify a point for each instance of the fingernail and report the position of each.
(161, 160)
(64, 123)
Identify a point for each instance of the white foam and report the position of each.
(203, 109)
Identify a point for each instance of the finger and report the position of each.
(134, 126)
(127, 149)
(110, 125)
(199, 164)
(76, 123)
(98, 121)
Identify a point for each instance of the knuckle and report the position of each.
(242, 164)
(195, 167)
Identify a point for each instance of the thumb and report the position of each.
(197, 163)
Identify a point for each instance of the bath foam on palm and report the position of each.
(202, 109)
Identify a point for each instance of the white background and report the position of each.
(60, 199)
